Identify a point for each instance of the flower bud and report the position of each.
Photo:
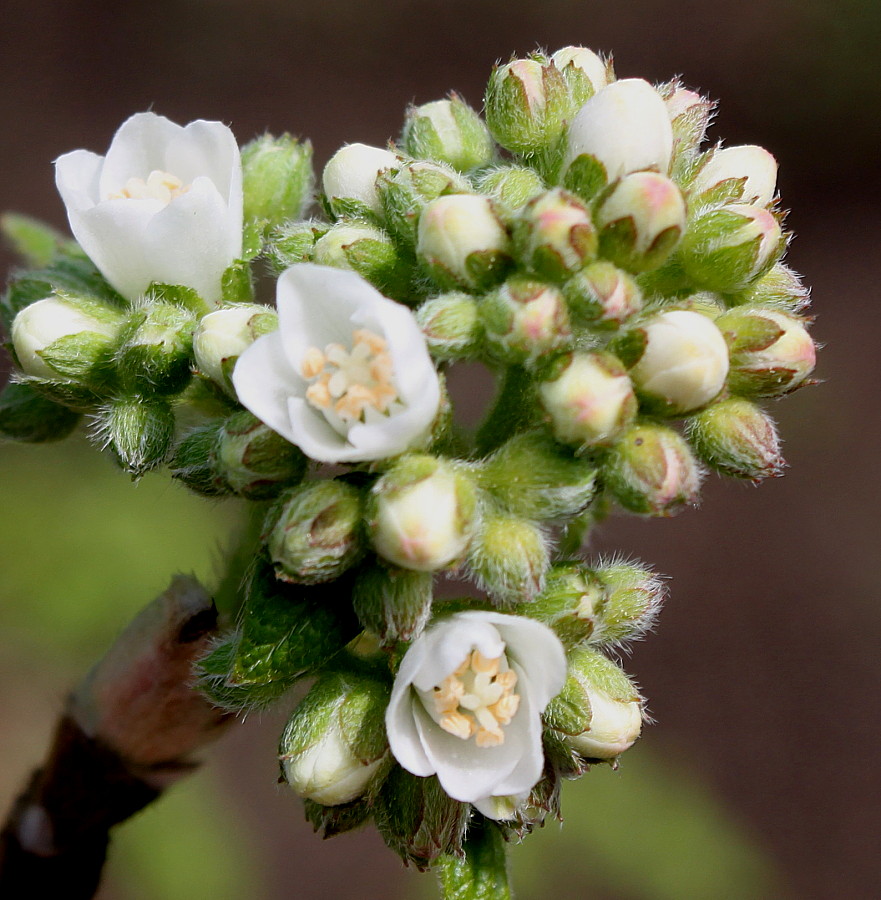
(554, 235)
(690, 114)
(631, 600)
(651, 471)
(334, 746)
(589, 400)
(291, 243)
(394, 604)
(367, 250)
(737, 438)
(422, 514)
(527, 105)
(451, 325)
(725, 249)
(277, 178)
(255, 461)
(223, 335)
(406, 191)
(26, 415)
(602, 295)
(155, 347)
(599, 711)
(640, 220)
(349, 180)
(744, 174)
(510, 187)
(623, 128)
(138, 431)
(194, 461)
(681, 361)
(462, 242)
(508, 557)
(524, 320)
(771, 351)
(779, 286)
(448, 131)
(314, 532)
(583, 71)
(535, 478)
(569, 602)
(64, 337)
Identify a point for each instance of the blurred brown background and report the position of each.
(763, 675)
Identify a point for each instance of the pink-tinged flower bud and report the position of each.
(462, 242)
(771, 351)
(589, 400)
(737, 438)
(744, 174)
(726, 249)
(448, 131)
(640, 220)
(624, 128)
(349, 179)
(681, 361)
(651, 471)
(584, 72)
(554, 235)
(602, 295)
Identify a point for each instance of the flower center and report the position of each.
(159, 185)
(350, 386)
(478, 699)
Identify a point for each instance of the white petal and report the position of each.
(207, 149)
(538, 651)
(403, 735)
(77, 177)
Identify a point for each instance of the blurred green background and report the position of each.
(761, 777)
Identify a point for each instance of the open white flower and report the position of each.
(467, 703)
(164, 205)
(347, 377)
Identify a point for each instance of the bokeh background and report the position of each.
(761, 777)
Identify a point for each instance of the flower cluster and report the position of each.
(623, 282)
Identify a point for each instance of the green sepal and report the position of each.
(178, 295)
(393, 603)
(630, 346)
(79, 356)
(485, 268)
(138, 432)
(569, 712)
(72, 394)
(329, 821)
(749, 334)
(482, 873)
(194, 462)
(586, 176)
(236, 283)
(26, 415)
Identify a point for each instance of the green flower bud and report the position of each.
(277, 178)
(26, 415)
(533, 477)
(569, 603)
(422, 513)
(194, 462)
(155, 347)
(599, 710)
(584, 72)
(527, 105)
(631, 600)
(291, 243)
(510, 187)
(334, 749)
(651, 471)
(451, 325)
(448, 131)
(554, 235)
(678, 361)
(524, 320)
(314, 532)
(589, 399)
(392, 603)
(255, 461)
(349, 180)
(771, 351)
(63, 337)
(745, 174)
(737, 438)
(223, 335)
(602, 295)
(462, 242)
(405, 192)
(779, 286)
(138, 431)
(367, 250)
(690, 114)
(508, 557)
(641, 219)
(725, 249)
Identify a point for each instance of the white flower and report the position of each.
(164, 205)
(467, 703)
(347, 377)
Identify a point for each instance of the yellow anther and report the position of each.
(159, 186)
(313, 362)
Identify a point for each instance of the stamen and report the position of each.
(159, 186)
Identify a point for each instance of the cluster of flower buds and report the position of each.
(622, 281)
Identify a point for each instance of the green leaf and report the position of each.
(483, 873)
(26, 415)
(36, 242)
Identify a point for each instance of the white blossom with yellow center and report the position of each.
(347, 376)
(467, 703)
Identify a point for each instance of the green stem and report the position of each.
(512, 411)
(483, 872)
